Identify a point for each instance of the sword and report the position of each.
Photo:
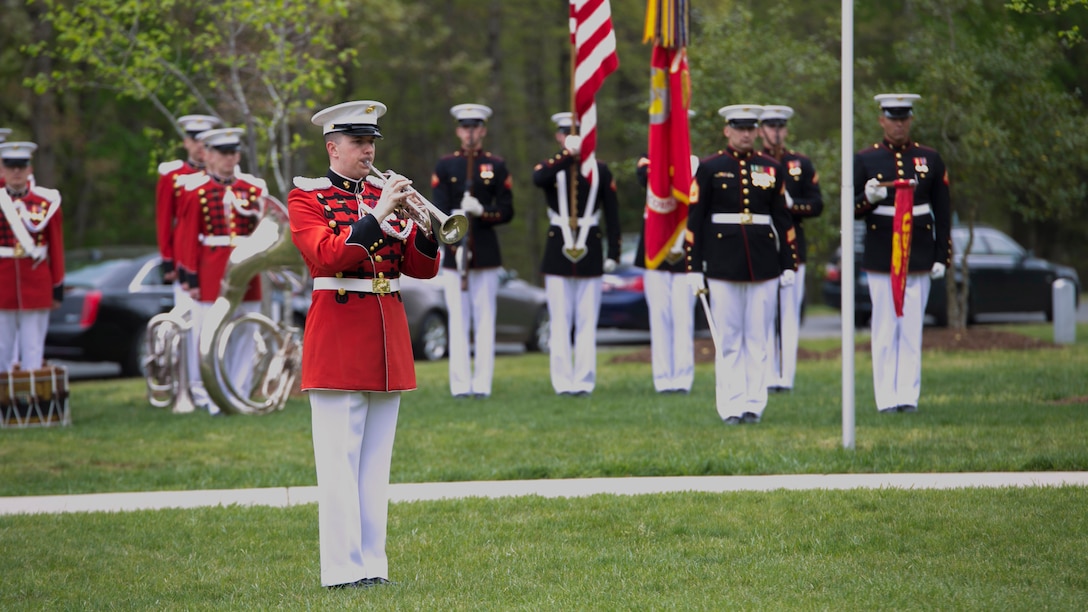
(778, 332)
(714, 337)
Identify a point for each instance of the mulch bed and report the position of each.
(933, 339)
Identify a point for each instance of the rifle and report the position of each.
(467, 242)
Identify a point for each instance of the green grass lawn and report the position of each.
(889, 549)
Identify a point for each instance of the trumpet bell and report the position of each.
(453, 229)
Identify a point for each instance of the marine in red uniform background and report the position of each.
(357, 355)
(31, 258)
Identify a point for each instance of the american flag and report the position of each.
(595, 58)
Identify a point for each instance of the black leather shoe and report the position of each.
(733, 420)
(891, 410)
(366, 583)
(749, 417)
(908, 408)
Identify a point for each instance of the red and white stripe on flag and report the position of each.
(595, 58)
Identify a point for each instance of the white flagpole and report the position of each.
(846, 261)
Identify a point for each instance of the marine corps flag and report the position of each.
(902, 226)
(669, 176)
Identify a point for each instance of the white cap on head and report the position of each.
(17, 151)
(194, 124)
(222, 138)
(897, 105)
(357, 118)
(773, 112)
(741, 115)
(4, 133)
(471, 114)
(563, 120)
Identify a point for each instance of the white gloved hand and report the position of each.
(459, 257)
(573, 143)
(787, 278)
(697, 281)
(394, 194)
(789, 199)
(874, 192)
(471, 205)
(609, 266)
(938, 270)
(694, 165)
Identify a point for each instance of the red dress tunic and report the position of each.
(356, 341)
(208, 221)
(167, 194)
(25, 284)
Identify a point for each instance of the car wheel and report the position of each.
(433, 340)
(541, 332)
(133, 364)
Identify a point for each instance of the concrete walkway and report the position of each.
(582, 487)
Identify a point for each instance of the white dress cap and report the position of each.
(897, 105)
(774, 112)
(741, 115)
(17, 151)
(222, 137)
(198, 123)
(358, 118)
(4, 133)
(563, 120)
(471, 113)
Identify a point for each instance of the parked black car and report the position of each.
(105, 311)
(1004, 278)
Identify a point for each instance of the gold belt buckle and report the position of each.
(746, 218)
(19, 252)
(380, 285)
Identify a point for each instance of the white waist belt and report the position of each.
(216, 240)
(362, 285)
(740, 219)
(889, 211)
(9, 252)
(555, 219)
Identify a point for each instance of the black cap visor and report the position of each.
(470, 123)
(743, 124)
(898, 112)
(357, 129)
(16, 163)
(228, 148)
(775, 123)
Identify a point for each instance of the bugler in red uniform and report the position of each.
(335, 242)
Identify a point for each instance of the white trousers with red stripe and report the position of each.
(897, 341)
(744, 315)
(353, 448)
(573, 303)
(672, 328)
(22, 338)
(472, 309)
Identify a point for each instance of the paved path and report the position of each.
(581, 487)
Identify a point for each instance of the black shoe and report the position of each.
(776, 389)
(907, 408)
(581, 394)
(733, 420)
(749, 417)
(462, 395)
(891, 410)
(362, 583)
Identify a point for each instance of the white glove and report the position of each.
(694, 165)
(573, 143)
(789, 199)
(938, 270)
(609, 266)
(874, 192)
(697, 281)
(787, 278)
(393, 195)
(459, 255)
(471, 205)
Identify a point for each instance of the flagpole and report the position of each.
(846, 199)
(573, 184)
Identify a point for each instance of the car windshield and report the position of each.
(96, 274)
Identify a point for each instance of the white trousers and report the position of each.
(784, 367)
(574, 303)
(744, 315)
(22, 338)
(353, 448)
(471, 309)
(241, 349)
(672, 329)
(897, 341)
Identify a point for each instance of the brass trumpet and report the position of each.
(451, 228)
